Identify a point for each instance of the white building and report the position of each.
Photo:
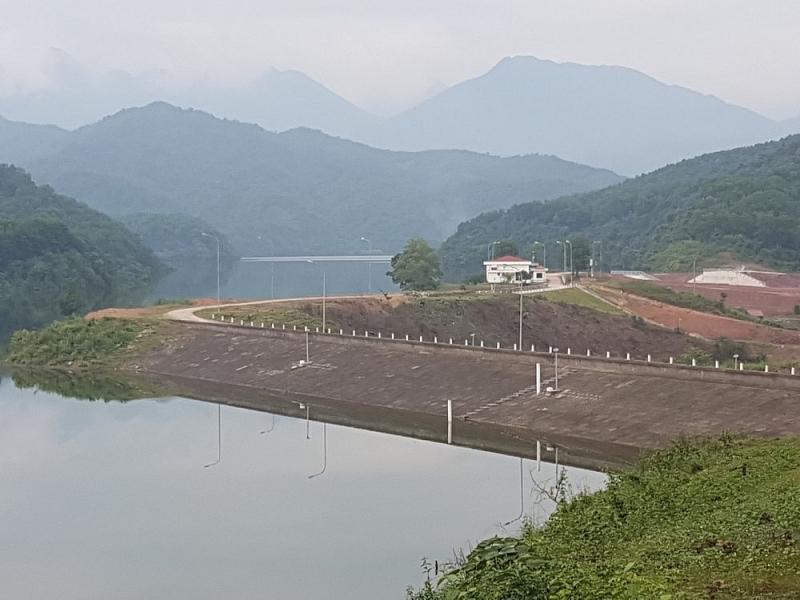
(508, 269)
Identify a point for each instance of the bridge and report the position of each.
(364, 258)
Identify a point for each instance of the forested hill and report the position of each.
(305, 191)
(745, 201)
(58, 257)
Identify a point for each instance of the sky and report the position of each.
(386, 55)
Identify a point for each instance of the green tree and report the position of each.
(506, 247)
(580, 254)
(417, 267)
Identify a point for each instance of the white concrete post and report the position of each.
(283, 326)
(716, 364)
(451, 341)
(251, 323)
(316, 330)
(436, 339)
(305, 328)
(294, 327)
(379, 335)
(241, 321)
(671, 360)
(329, 329)
(648, 358)
(608, 354)
(588, 352)
(533, 348)
(694, 362)
(449, 421)
(498, 345)
(392, 336)
(538, 379)
(515, 346)
(569, 350)
(481, 343)
(792, 370)
(627, 356)
(420, 338)
(741, 366)
(406, 337)
(366, 334)
(766, 368)
(550, 350)
(273, 325)
(466, 342)
(354, 333)
(341, 332)
(538, 455)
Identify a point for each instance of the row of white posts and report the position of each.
(450, 342)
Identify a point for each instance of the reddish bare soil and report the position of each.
(778, 298)
(147, 311)
(704, 324)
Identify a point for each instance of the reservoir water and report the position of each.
(113, 500)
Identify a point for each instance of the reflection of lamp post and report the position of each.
(369, 265)
(203, 233)
(544, 253)
(324, 451)
(271, 426)
(323, 296)
(521, 495)
(219, 438)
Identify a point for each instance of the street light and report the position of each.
(735, 361)
(369, 265)
(565, 253)
(571, 264)
(596, 262)
(544, 253)
(324, 322)
(203, 233)
(271, 268)
(489, 253)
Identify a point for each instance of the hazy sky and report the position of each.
(386, 54)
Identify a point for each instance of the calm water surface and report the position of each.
(112, 500)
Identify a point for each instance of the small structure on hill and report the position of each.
(727, 277)
(509, 269)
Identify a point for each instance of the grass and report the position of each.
(578, 297)
(82, 343)
(713, 518)
(289, 314)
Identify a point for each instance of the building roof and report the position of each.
(508, 258)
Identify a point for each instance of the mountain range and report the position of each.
(305, 191)
(605, 116)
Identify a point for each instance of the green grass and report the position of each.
(289, 315)
(716, 518)
(79, 343)
(578, 297)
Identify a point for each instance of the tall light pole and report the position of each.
(324, 321)
(571, 264)
(271, 268)
(489, 252)
(544, 253)
(565, 253)
(556, 382)
(369, 265)
(520, 320)
(595, 262)
(217, 239)
(694, 276)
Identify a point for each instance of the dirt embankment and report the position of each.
(496, 319)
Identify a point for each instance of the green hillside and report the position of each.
(58, 257)
(305, 191)
(744, 201)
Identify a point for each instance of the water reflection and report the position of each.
(108, 500)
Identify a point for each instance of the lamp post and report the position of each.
(520, 320)
(203, 233)
(735, 361)
(271, 268)
(565, 253)
(571, 264)
(544, 253)
(694, 276)
(324, 322)
(595, 262)
(369, 265)
(489, 252)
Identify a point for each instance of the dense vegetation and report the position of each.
(305, 191)
(417, 267)
(743, 201)
(709, 519)
(78, 342)
(58, 257)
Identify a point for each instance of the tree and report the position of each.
(581, 252)
(417, 267)
(505, 247)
